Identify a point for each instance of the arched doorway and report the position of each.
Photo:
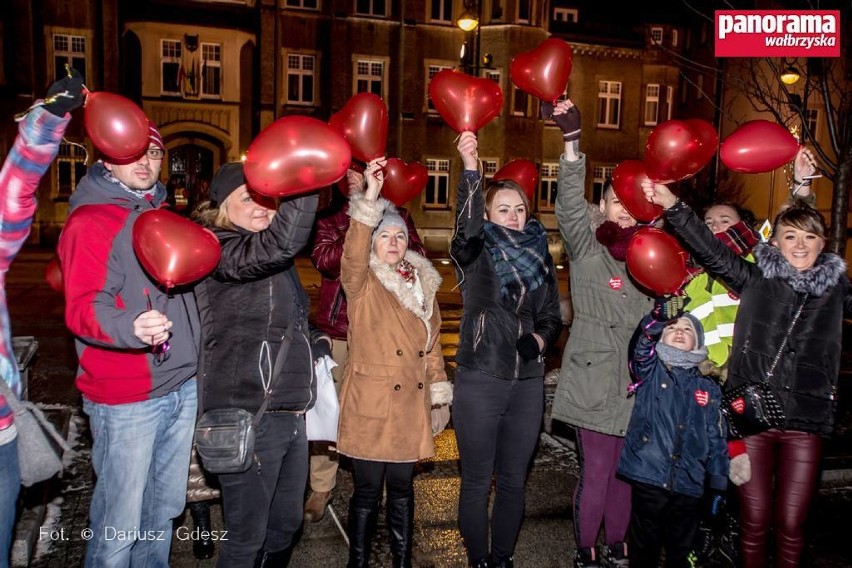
(190, 169)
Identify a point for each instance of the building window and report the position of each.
(301, 78)
(657, 36)
(495, 76)
(306, 4)
(170, 67)
(524, 11)
(70, 50)
(600, 176)
(371, 7)
(70, 168)
(812, 120)
(211, 70)
(674, 38)
(609, 97)
(437, 192)
(520, 102)
(547, 187)
(490, 167)
(370, 77)
(652, 104)
(441, 11)
(569, 15)
(433, 69)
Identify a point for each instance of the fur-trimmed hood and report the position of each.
(825, 274)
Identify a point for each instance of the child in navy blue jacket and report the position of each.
(676, 439)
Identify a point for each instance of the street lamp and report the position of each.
(790, 76)
(469, 22)
(798, 103)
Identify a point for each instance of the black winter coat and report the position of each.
(245, 306)
(771, 291)
(490, 329)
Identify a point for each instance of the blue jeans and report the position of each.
(10, 485)
(264, 506)
(497, 424)
(140, 455)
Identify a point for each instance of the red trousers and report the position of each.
(784, 472)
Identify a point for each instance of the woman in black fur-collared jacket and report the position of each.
(790, 272)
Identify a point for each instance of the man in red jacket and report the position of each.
(331, 319)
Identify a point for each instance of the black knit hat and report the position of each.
(229, 177)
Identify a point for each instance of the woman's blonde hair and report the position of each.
(499, 185)
(802, 217)
(212, 217)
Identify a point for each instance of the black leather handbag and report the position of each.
(752, 408)
(224, 437)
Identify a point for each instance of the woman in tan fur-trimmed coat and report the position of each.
(395, 372)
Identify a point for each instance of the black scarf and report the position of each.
(520, 258)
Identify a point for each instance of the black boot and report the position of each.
(278, 559)
(400, 517)
(503, 562)
(202, 546)
(362, 526)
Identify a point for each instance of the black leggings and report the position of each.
(789, 461)
(368, 477)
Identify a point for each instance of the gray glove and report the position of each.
(66, 94)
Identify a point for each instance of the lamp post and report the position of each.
(469, 22)
(790, 75)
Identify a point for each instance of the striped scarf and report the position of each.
(521, 259)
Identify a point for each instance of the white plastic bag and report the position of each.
(321, 420)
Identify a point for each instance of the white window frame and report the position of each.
(516, 92)
(656, 35)
(370, 61)
(547, 186)
(300, 73)
(300, 4)
(439, 174)
(566, 15)
(609, 96)
(812, 119)
(490, 166)
(432, 68)
(78, 47)
(72, 154)
(443, 18)
(652, 104)
(174, 56)
(669, 103)
(518, 5)
(494, 74)
(206, 65)
(600, 173)
(372, 10)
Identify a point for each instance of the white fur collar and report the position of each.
(430, 281)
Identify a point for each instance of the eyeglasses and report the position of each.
(156, 153)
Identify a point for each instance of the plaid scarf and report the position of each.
(520, 258)
(740, 238)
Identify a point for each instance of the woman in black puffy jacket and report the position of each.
(791, 275)
(511, 314)
(247, 305)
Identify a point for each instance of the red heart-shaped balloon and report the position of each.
(403, 181)
(544, 71)
(465, 102)
(523, 172)
(758, 146)
(295, 154)
(172, 249)
(116, 125)
(363, 122)
(627, 183)
(656, 260)
(678, 149)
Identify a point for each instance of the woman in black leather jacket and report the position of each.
(789, 273)
(247, 305)
(511, 314)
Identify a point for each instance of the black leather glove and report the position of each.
(569, 121)
(527, 346)
(66, 94)
(669, 307)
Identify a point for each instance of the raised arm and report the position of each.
(366, 211)
(470, 205)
